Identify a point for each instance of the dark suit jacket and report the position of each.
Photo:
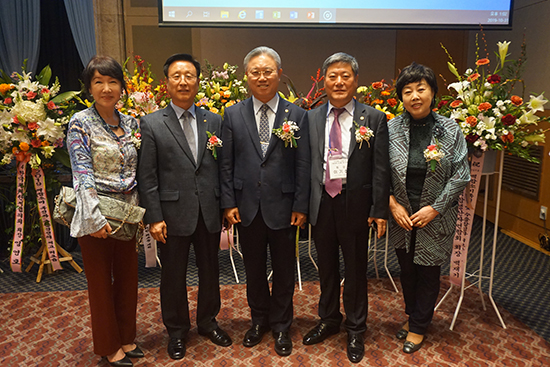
(171, 186)
(277, 184)
(368, 173)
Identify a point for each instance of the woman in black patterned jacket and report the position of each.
(429, 168)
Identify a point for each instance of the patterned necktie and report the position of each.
(334, 187)
(264, 129)
(189, 134)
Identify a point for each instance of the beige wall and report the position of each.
(381, 53)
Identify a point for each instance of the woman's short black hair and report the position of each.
(105, 65)
(414, 73)
(182, 57)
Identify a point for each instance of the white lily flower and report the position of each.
(537, 103)
(503, 51)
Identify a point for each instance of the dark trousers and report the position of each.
(174, 256)
(111, 270)
(275, 308)
(331, 232)
(420, 288)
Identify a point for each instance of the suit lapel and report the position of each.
(359, 118)
(280, 116)
(202, 125)
(320, 126)
(247, 113)
(174, 125)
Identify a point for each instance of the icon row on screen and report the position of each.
(262, 14)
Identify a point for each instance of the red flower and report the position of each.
(138, 135)
(31, 95)
(471, 120)
(493, 79)
(32, 126)
(482, 62)
(471, 138)
(516, 100)
(442, 103)
(508, 120)
(508, 138)
(286, 128)
(15, 120)
(51, 105)
(45, 91)
(456, 103)
(432, 147)
(392, 102)
(485, 106)
(377, 85)
(213, 140)
(473, 77)
(8, 100)
(363, 130)
(36, 143)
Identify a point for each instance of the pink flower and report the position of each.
(31, 95)
(363, 130)
(32, 126)
(286, 128)
(45, 91)
(15, 120)
(213, 140)
(51, 105)
(8, 100)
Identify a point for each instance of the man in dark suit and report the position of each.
(265, 191)
(179, 187)
(350, 180)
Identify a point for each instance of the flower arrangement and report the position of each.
(362, 133)
(141, 98)
(213, 143)
(313, 99)
(220, 88)
(286, 133)
(490, 115)
(381, 96)
(33, 117)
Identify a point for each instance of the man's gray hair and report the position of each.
(262, 50)
(341, 57)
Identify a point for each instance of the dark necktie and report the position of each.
(189, 134)
(264, 129)
(334, 187)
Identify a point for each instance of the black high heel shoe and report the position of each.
(136, 353)
(124, 362)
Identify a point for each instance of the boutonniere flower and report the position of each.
(362, 133)
(213, 143)
(136, 138)
(433, 154)
(286, 133)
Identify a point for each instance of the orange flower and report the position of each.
(392, 102)
(471, 120)
(485, 106)
(389, 116)
(516, 100)
(45, 143)
(456, 103)
(385, 93)
(377, 101)
(473, 77)
(507, 138)
(5, 87)
(24, 146)
(482, 62)
(377, 85)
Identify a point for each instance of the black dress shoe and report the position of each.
(124, 362)
(218, 337)
(320, 333)
(402, 334)
(410, 347)
(176, 348)
(254, 335)
(136, 353)
(283, 343)
(356, 347)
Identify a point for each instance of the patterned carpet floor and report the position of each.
(53, 329)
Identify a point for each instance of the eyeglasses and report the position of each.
(256, 74)
(190, 78)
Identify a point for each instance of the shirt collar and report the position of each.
(350, 107)
(273, 104)
(179, 111)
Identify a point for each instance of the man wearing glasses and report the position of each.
(264, 175)
(179, 187)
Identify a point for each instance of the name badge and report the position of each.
(337, 168)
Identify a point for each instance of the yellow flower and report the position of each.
(503, 51)
(361, 89)
(214, 110)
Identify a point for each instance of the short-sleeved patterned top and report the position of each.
(101, 162)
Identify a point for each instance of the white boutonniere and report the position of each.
(136, 138)
(433, 154)
(212, 143)
(286, 133)
(362, 133)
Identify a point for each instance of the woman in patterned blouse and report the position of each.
(104, 160)
(429, 170)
